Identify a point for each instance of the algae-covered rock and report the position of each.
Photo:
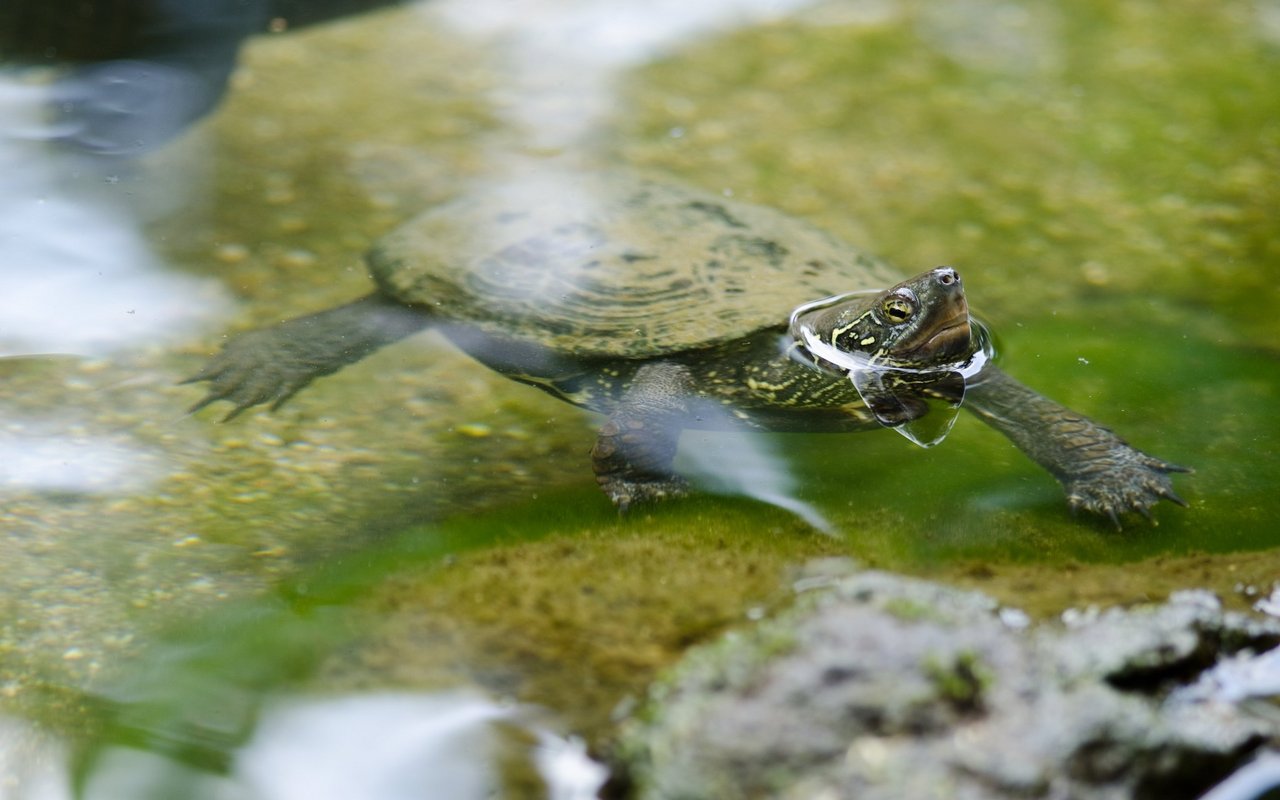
(880, 686)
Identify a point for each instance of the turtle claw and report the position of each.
(1125, 481)
(252, 369)
(1172, 496)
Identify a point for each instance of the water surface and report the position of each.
(1102, 174)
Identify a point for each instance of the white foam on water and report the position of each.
(743, 464)
(563, 57)
(381, 746)
(77, 274)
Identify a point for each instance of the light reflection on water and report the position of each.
(79, 275)
(39, 455)
(391, 746)
(746, 465)
(562, 59)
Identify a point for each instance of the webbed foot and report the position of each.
(1101, 473)
(1124, 481)
(633, 454)
(273, 364)
(265, 366)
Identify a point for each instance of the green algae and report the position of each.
(584, 618)
(961, 680)
(1062, 151)
(532, 603)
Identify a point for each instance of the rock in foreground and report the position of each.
(879, 686)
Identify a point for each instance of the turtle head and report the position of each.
(908, 349)
(920, 324)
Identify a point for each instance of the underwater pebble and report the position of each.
(204, 585)
(93, 366)
(1095, 273)
(293, 224)
(122, 506)
(280, 195)
(476, 430)
(417, 406)
(297, 257)
(231, 253)
(118, 640)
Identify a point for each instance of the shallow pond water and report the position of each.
(1103, 175)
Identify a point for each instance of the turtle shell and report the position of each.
(614, 265)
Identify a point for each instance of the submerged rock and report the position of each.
(879, 686)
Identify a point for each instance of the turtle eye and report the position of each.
(898, 309)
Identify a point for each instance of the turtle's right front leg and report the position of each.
(1101, 473)
(272, 364)
(633, 454)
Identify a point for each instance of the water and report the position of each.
(415, 526)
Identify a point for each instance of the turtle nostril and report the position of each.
(947, 276)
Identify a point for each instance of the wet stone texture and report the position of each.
(879, 686)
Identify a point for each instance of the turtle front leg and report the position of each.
(273, 364)
(634, 451)
(1100, 472)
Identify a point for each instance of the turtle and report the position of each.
(664, 307)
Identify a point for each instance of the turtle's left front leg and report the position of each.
(1100, 472)
(634, 451)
